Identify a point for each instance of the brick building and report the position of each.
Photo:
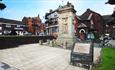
(109, 24)
(35, 25)
(89, 22)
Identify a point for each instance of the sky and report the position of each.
(17, 9)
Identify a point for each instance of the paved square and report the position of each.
(37, 57)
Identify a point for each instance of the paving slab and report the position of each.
(37, 57)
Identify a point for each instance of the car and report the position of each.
(28, 34)
(41, 34)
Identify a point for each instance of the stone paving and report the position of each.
(37, 57)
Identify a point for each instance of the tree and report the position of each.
(2, 5)
(112, 2)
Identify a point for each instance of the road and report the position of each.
(112, 42)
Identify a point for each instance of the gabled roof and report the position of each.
(84, 16)
(3, 20)
(108, 18)
(82, 25)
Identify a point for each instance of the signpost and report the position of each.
(82, 53)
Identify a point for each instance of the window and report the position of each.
(0, 28)
(8, 25)
(55, 29)
(113, 26)
(18, 25)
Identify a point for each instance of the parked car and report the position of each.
(41, 34)
(28, 33)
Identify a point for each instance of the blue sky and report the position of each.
(17, 9)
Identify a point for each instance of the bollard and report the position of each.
(40, 42)
(65, 44)
(54, 42)
(51, 43)
(48, 41)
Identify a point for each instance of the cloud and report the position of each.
(20, 8)
(9, 11)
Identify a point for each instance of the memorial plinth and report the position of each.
(66, 27)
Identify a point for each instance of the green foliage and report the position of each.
(108, 59)
(2, 5)
(111, 2)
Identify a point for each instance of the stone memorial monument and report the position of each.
(66, 25)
